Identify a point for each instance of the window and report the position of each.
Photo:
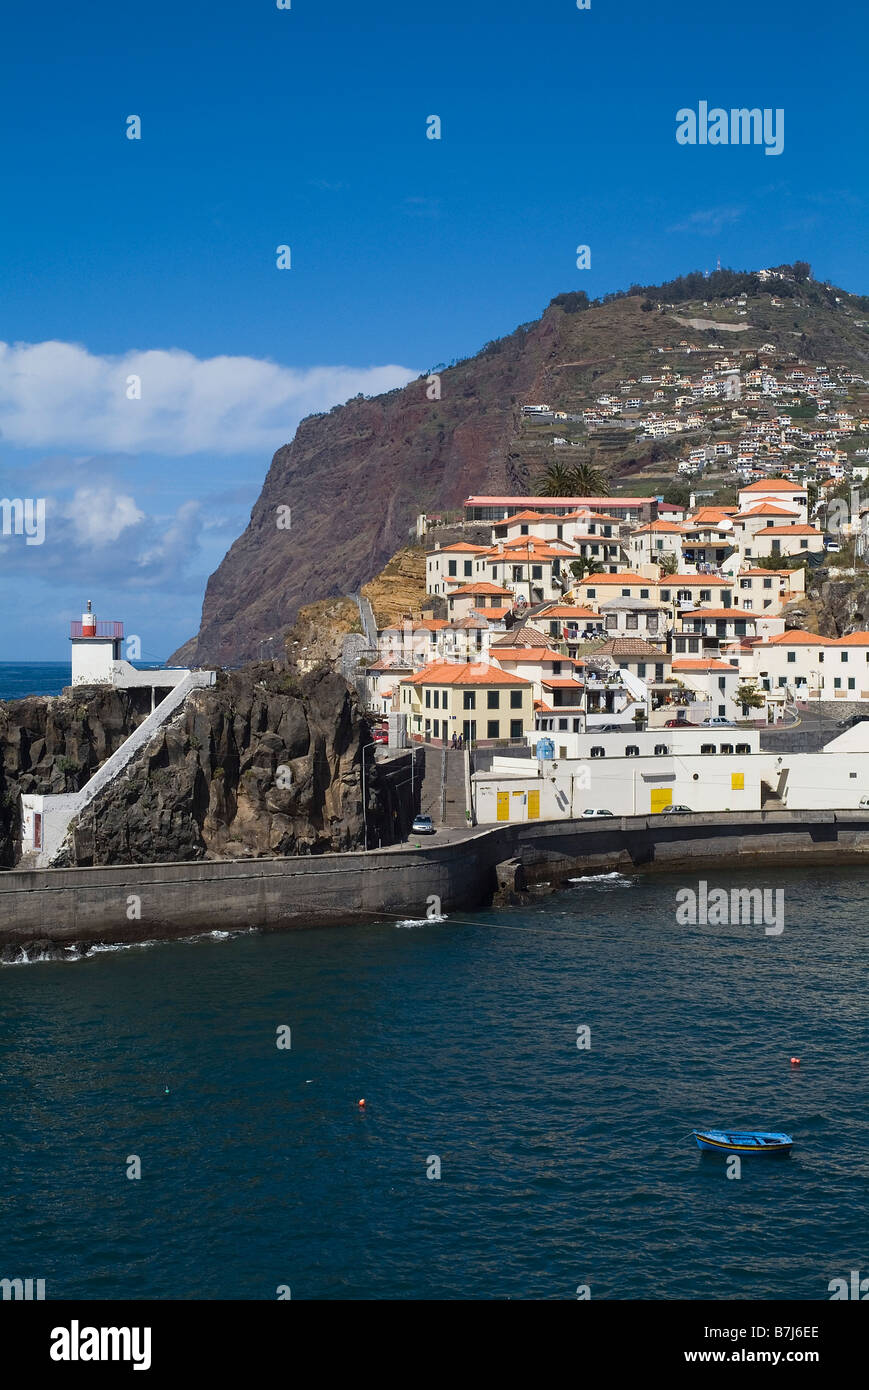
(518, 573)
(641, 668)
(626, 593)
(722, 710)
(707, 748)
(469, 568)
(598, 752)
(536, 571)
(659, 671)
(632, 751)
(661, 750)
(562, 724)
(428, 699)
(837, 682)
(493, 729)
(743, 747)
(844, 656)
(632, 622)
(469, 699)
(644, 593)
(665, 595)
(437, 728)
(592, 593)
(804, 545)
(515, 699)
(851, 683)
(722, 681)
(705, 595)
(792, 656)
(726, 748)
(493, 699)
(451, 567)
(820, 656)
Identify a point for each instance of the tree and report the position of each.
(557, 481)
(584, 568)
(669, 565)
(589, 480)
(749, 696)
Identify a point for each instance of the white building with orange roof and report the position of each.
(781, 491)
(595, 589)
(482, 599)
(450, 565)
(530, 568)
(655, 540)
(478, 701)
(768, 591)
(808, 666)
(568, 622)
(798, 539)
(713, 681)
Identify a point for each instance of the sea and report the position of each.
(20, 678)
(182, 1120)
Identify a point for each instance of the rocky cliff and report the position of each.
(263, 763)
(355, 479)
(53, 744)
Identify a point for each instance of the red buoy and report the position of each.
(795, 1061)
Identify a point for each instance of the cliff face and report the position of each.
(354, 481)
(50, 745)
(259, 764)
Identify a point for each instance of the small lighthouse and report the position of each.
(96, 649)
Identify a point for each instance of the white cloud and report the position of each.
(99, 515)
(59, 395)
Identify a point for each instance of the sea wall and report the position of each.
(143, 902)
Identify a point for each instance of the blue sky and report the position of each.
(306, 127)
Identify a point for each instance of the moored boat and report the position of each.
(742, 1141)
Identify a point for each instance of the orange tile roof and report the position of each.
(741, 613)
(800, 530)
(701, 664)
(626, 578)
(773, 485)
(483, 587)
(527, 654)
(765, 509)
(566, 610)
(798, 637)
(464, 673)
(458, 545)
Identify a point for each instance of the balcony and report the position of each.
(103, 628)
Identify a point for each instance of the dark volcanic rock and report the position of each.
(259, 764)
(54, 744)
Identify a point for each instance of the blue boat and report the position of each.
(742, 1141)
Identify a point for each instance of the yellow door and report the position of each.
(737, 781)
(661, 797)
(534, 805)
(503, 805)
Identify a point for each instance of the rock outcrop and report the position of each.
(263, 763)
(54, 744)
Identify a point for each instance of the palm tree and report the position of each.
(589, 480)
(557, 481)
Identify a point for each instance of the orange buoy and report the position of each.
(795, 1061)
(361, 1104)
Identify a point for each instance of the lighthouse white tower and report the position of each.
(96, 649)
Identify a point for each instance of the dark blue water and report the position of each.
(20, 678)
(560, 1167)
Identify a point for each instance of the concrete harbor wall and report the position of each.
(144, 902)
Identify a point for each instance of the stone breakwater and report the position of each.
(58, 908)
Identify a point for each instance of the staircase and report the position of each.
(442, 795)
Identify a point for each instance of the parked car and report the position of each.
(591, 812)
(864, 803)
(679, 724)
(380, 736)
(831, 545)
(850, 721)
(717, 722)
(422, 825)
(676, 811)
